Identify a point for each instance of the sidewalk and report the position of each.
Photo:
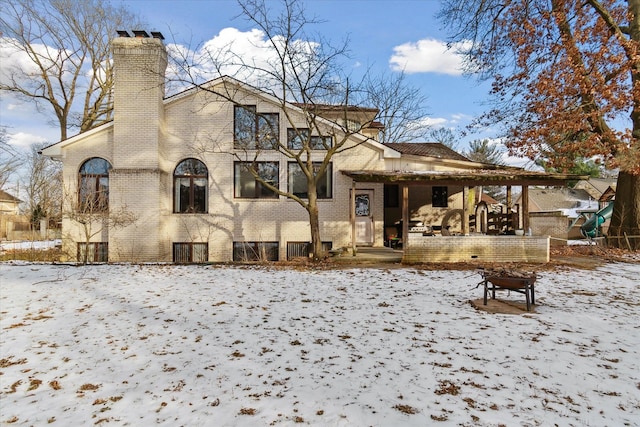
(369, 255)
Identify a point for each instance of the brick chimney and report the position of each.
(139, 65)
(136, 179)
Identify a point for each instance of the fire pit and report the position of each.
(509, 280)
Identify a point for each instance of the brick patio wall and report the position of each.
(553, 224)
(425, 249)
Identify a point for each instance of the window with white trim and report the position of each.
(298, 181)
(253, 130)
(247, 186)
(297, 138)
(190, 179)
(93, 185)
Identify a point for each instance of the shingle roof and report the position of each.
(427, 149)
(6, 197)
(596, 187)
(550, 199)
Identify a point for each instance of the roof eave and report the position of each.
(470, 179)
(55, 150)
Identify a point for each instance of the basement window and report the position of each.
(190, 252)
(301, 249)
(255, 251)
(94, 252)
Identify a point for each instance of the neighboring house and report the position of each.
(10, 218)
(569, 201)
(601, 189)
(559, 212)
(9, 205)
(172, 164)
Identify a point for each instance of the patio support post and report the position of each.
(405, 215)
(353, 217)
(525, 208)
(509, 213)
(465, 210)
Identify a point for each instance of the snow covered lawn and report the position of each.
(229, 346)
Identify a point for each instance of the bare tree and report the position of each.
(402, 107)
(303, 74)
(9, 159)
(445, 136)
(90, 211)
(43, 184)
(57, 55)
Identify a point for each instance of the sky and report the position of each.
(384, 37)
(125, 345)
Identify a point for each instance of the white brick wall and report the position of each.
(148, 138)
(421, 249)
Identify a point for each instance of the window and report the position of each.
(298, 181)
(94, 252)
(391, 196)
(296, 138)
(189, 253)
(254, 130)
(301, 249)
(439, 197)
(247, 186)
(352, 125)
(93, 186)
(255, 251)
(190, 187)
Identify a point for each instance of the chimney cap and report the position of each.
(123, 33)
(157, 35)
(140, 33)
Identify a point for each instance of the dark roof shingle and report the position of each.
(427, 149)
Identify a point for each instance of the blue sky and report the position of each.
(384, 36)
(377, 30)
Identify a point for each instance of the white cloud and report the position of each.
(22, 140)
(244, 55)
(461, 118)
(436, 122)
(428, 56)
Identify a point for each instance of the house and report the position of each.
(559, 212)
(9, 205)
(172, 165)
(11, 222)
(166, 179)
(601, 189)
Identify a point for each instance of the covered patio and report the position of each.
(468, 246)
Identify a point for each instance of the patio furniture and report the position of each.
(509, 280)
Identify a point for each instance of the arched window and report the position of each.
(93, 186)
(190, 187)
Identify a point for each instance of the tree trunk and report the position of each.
(316, 242)
(626, 213)
(314, 220)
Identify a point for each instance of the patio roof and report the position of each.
(471, 177)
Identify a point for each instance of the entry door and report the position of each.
(364, 217)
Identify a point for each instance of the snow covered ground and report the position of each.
(230, 346)
(25, 245)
